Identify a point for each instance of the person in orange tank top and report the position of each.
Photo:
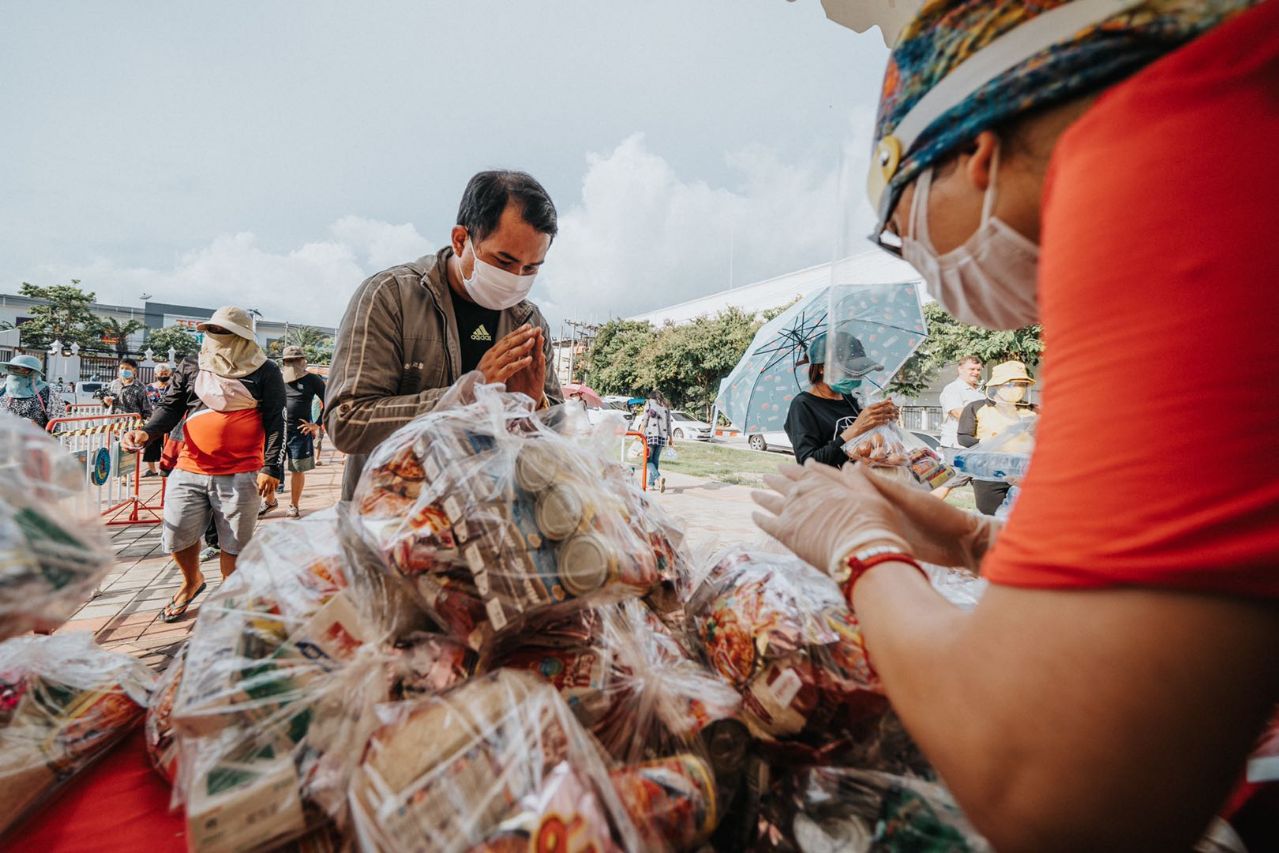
(1106, 168)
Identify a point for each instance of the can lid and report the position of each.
(559, 511)
(535, 466)
(584, 564)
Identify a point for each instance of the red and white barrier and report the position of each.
(113, 475)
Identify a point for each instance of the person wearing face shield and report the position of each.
(1105, 168)
(824, 417)
(411, 331)
(1004, 405)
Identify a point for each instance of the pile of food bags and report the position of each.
(63, 703)
(53, 550)
(501, 645)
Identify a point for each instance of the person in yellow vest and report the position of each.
(1005, 404)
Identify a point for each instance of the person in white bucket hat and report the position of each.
(229, 401)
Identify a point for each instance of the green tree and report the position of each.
(66, 316)
(317, 345)
(613, 363)
(181, 341)
(114, 330)
(687, 362)
(949, 340)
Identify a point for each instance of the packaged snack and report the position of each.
(1005, 457)
(425, 664)
(489, 516)
(63, 703)
(497, 764)
(891, 451)
(282, 670)
(779, 631)
(672, 801)
(53, 549)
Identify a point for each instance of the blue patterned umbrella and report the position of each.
(888, 319)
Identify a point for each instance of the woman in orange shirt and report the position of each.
(1106, 168)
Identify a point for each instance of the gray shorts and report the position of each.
(190, 500)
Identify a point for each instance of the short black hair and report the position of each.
(816, 372)
(129, 362)
(487, 194)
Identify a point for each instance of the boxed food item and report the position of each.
(53, 549)
(489, 516)
(63, 703)
(780, 632)
(497, 764)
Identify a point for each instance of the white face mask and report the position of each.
(1011, 393)
(494, 287)
(988, 281)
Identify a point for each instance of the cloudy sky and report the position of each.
(273, 154)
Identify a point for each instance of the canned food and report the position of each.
(536, 466)
(560, 511)
(671, 800)
(586, 563)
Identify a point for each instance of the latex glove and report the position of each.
(824, 516)
(876, 414)
(938, 533)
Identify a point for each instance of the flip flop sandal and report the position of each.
(172, 611)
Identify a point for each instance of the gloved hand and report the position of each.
(938, 533)
(824, 516)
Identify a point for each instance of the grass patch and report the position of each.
(724, 464)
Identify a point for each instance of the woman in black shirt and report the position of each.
(821, 419)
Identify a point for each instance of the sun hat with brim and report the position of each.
(27, 362)
(232, 318)
(293, 352)
(1008, 371)
(964, 66)
(853, 359)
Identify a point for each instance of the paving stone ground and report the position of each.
(125, 614)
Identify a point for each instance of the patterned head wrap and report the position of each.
(943, 87)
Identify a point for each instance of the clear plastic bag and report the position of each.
(891, 451)
(162, 746)
(499, 763)
(822, 809)
(490, 516)
(780, 632)
(283, 668)
(63, 703)
(53, 549)
(652, 707)
(1003, 458)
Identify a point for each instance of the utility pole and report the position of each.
(588, 334)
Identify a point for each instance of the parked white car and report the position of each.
(684, 425)
(81, 392)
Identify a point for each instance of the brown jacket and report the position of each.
(397, 352)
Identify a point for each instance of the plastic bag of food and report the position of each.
(53, 550)
(498, 764)
(893, 452)
(490, 516)
(630, 683)
(424, 664)
(162, 746)
(283, 668)
(63, 703)
(1002, 458)
(847, 809)
(780, 632)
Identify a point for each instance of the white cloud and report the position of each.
(641, 237)
(309, 284)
